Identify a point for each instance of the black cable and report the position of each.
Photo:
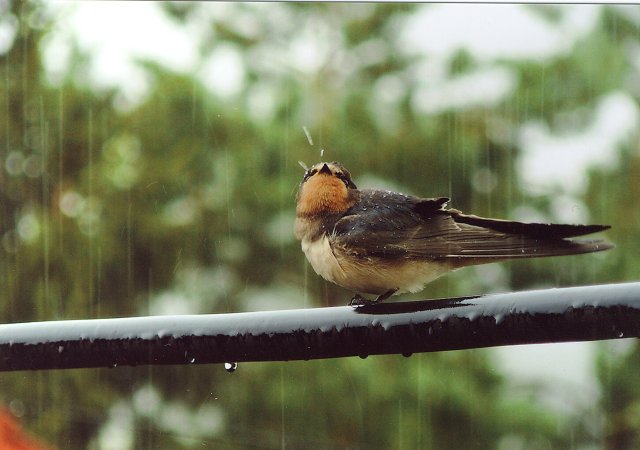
(552, 315)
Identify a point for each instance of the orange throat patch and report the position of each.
(323, 194)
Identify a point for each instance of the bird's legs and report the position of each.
(386, 295)
(359, 300)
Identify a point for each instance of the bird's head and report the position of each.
(326, 188)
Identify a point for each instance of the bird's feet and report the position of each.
(359, 300)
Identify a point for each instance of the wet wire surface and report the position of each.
(554, 315)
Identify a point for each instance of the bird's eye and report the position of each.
(346, 179)
(309, 173)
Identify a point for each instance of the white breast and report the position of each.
(322, 259)
(371, 276)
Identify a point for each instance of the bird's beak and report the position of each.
(325, 169)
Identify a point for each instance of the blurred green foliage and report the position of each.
(184, 202)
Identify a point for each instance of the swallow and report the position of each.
(386, 243)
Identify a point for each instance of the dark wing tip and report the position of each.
(537, 230)
(578, 230)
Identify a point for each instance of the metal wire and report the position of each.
(553, 315)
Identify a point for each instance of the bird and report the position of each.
(386, 243)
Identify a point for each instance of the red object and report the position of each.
(13, 437)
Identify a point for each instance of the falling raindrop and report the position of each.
(620, 334)
(308, 135)
(192, 360)
(230, 366)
